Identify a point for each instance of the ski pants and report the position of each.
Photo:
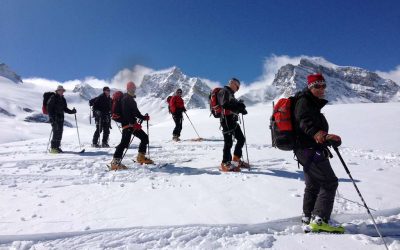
(321, 182)
(57, 126)
(229, 131)
(126, 138)
(178, 125)
(103, 124)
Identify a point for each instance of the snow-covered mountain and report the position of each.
(86, 91)
(345, 83)
(161, 84)
(6, 72)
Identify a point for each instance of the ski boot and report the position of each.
(55, 150)
(305, 220)
(176, 138)
(239, 162)
(142, 159)
(318, 225)
(229, 167)
(117, 165)
(95, 145)
(105, 145)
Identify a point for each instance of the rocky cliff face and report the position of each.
(345, 84)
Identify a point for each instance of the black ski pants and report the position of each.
(126, 138)
(178, 125)
(103, 124)
(231, 129)
(321, 182)
(58, 127)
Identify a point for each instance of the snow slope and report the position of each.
(71, 201)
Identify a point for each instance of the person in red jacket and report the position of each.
(177, 107)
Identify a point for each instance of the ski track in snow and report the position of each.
(20, 165)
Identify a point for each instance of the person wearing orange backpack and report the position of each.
(177, 107)
(230, 110)
(311, 128)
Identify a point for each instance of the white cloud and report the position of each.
(210, 83)
(135, 74)
(393, 75)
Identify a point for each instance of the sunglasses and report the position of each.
(320, 86)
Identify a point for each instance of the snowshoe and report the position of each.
(229, 167)
(117, 165)
(318, 225)
(240, 163)
(142, 159)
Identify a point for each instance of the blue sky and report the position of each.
(71, 39)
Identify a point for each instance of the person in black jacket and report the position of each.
(102, 117)
(130, 125)
(231, 107)
(312, 153)
(56, 106)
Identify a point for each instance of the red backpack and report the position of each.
(281, 124)
(116, 108)
(215, 108)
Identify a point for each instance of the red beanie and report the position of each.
(314, 78)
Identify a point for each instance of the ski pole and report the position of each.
(100, 129)
(133, 136)
(192, 125)
(77, 130)
(245, 142)
(90, 115)
(359, 193)
(47, 148)
(148, 134)
(119, 128)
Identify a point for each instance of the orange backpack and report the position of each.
(281, 124)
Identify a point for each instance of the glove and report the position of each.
(241, 106)
(146, 117)
(137, 126)
(244, 112)
(333, 140)
(73, 111)
(97, 113)
(52, 119)
(320, 137)
(184, 110)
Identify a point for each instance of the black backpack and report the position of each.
(168, 100)
(92, 101)
(46, 98)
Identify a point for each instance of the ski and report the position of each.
(70, 152)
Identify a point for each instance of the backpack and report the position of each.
(282, 124)
(92, 101)
(169, 106)
(116, 108)
(46, 98)
(215, 108)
